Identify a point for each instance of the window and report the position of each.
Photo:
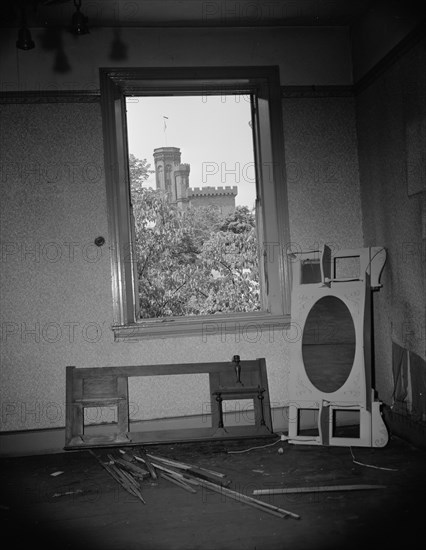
(196, 242)
(262, 85)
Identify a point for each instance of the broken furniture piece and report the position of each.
(330, 371)
(242, 393)
(238, 391)
(108, 387)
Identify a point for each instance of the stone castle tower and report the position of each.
(173, 178)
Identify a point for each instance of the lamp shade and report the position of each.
(24, 42)
(79, 24)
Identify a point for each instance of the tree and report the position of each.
(241, 220)
(139, 171)
(193, 261)
(230, 265)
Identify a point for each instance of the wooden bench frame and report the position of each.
(108, 386)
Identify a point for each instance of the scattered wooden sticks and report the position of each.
(184, 466)
(136, 470)
(201, 477)
(126, 480)
(128, 472)
(191, 472)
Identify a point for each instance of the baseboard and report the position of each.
(51, 441)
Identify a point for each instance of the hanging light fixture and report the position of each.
(24, 42)
(79, 24)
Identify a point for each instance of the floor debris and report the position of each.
(121, 475)
(55, 495)
(129, 473)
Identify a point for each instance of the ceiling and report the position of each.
(192, 13)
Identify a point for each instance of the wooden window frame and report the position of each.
(263, 84)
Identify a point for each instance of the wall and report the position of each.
(322, 172)
(63, 61)
(382, 28)
(391, 114)
(56, 293)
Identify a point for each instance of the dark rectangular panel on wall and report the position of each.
(418, 385)
(399, 369)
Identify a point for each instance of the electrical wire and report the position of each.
(251, 448)
(371, 465)
(371, 260)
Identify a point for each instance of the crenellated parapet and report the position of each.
(213, 191)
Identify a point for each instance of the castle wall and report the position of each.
(220, 197)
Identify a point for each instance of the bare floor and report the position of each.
(82, 507)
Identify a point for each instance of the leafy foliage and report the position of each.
(193, 261)
(139, 170)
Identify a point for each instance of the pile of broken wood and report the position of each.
(130, 468)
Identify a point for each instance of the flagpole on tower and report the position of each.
(165, 118)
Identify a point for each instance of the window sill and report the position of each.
(250, 327)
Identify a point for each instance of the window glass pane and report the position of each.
(193, 192)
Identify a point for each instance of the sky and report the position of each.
(212, 132)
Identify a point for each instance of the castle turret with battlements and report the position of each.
(172, 176)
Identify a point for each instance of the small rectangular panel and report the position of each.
(238, 412)
(310, 272)
(347, 267)
(346, 423)
(326, 263)
(100, 415)
(307, 422)
(154, 397)
(105, 386)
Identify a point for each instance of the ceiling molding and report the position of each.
(50, 96)
(290, 92)
(187, 13)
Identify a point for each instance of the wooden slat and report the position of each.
(240, 497)
(123, 405)
(178, 482)
(184, 466)
(238, 392)
(160, 370)
(266, 401)
(174, 436)
(70, 427)
(100, 401)
(318, 489)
